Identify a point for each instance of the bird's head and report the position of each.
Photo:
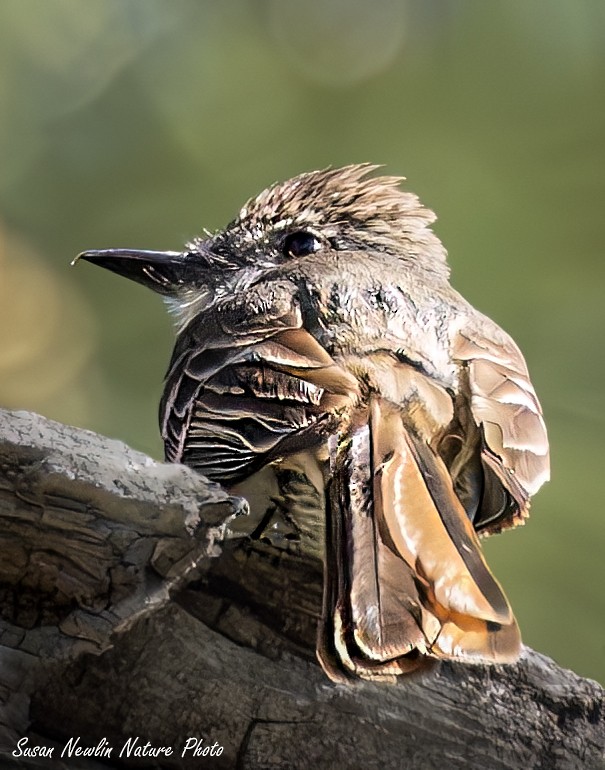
(318, 216)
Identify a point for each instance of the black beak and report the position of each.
(163, 271)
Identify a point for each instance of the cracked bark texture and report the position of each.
(128, 611)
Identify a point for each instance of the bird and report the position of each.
(326, 370)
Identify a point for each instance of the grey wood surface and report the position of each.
(127, 614)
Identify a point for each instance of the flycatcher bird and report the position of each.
(326, 370)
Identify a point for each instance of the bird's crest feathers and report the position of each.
(375, 205)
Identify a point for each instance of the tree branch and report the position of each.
(127, 612)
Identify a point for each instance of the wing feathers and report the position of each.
(428, 523)
(370, 624)
(229, 407)
(504, 405)
(383, 627)
(411, 578)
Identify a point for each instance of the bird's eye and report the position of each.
(300, 244)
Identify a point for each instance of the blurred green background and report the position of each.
(138, 122)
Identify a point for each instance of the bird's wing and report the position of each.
(246, 384)
(514, 445)
(405, 575)
(411, 485)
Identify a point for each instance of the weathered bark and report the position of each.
(126, 612)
